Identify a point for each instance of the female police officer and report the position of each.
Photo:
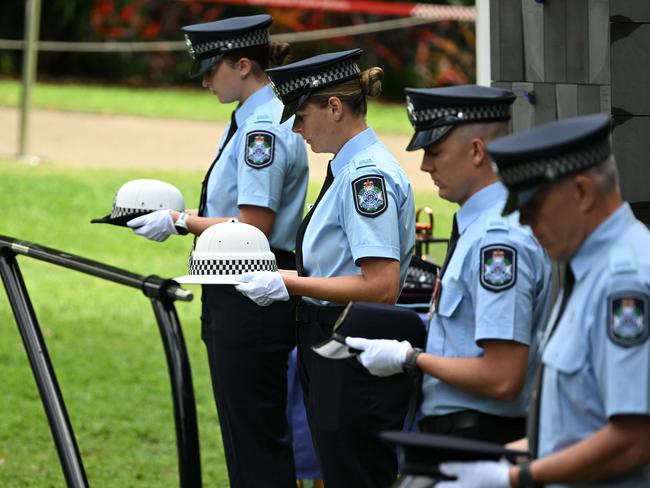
(259, 176)
(354, 244)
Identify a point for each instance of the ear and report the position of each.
(245, 67)
(335, 106)
(586, 191)
(478, 151)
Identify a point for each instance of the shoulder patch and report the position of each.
(369, 193)
(622, 259)
(260, 148)
(498, 267)
(627, 318)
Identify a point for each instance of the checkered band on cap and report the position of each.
(253, 38)
(122, 211)
(470, 113)
(339, 71)
(555, 166)
(230, 266)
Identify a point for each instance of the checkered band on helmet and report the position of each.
(122, 211)
(555, 166)
(230, 266)
(339, 71)
(470, 113)
(253, 38)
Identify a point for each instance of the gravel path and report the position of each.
(116, 141)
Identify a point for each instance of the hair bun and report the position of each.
(371, 81)
(279, 53)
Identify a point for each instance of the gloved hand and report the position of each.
(477, 474)
(263, 287)
(156, 226)
(380, 356)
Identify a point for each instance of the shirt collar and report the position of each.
(358, 143)
(477, 203)
(253, 101)
(595, 246)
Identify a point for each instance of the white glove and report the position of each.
(476, 474)
(263, 287)
(380, 356)
(156, 226)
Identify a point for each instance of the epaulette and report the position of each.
(622, 259)
(495, 222)
(364, 163)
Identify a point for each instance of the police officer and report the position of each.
(354, 244)
(493, 293)
(259, 176)
(591, 423)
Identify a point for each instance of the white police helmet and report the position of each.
(140, 197)
(227, 250)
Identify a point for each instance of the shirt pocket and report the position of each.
(450, 298)
(565, 383)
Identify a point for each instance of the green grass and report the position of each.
(102, 338)
(190, 104)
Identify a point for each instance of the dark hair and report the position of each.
(352, 92)
(264, 56)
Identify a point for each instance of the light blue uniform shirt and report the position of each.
(597, 365)
(348, 225)
(264, 164)
(482, 298)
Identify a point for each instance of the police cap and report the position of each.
(372, 321)
(294, 83)
(422, 453)
(434, 112)
(208, 42)
(528, 160)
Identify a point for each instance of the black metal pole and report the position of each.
(180, 375)
(39, 359)
(149, 285)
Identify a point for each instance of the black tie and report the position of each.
(453, 240)
(305, 222)
(535, 399)
(437, 289)
(203, 201)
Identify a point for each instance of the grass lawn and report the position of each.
(190, 104)
(102, 338)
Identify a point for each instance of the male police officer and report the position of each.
(593, 421)
(493, 294)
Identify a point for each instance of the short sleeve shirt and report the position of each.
(265, 165)
(496, 286)
(597, 361)
(368, 211)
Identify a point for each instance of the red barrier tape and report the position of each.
(438, 12)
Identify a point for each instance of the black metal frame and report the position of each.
(162, 293)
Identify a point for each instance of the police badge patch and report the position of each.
(260, 147)
(498, 267)
(369, 193)
(627, 318)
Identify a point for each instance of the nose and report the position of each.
(205, 83)
(296, 127)
(426, 165)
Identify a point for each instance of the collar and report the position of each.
(358, 143)
(477, 204)
(260, 97)
(597, 244)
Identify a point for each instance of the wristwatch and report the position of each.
(181, 223)
(410, 364)
(525, 477)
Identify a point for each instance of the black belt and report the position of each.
(307, 313)
(468, 419)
